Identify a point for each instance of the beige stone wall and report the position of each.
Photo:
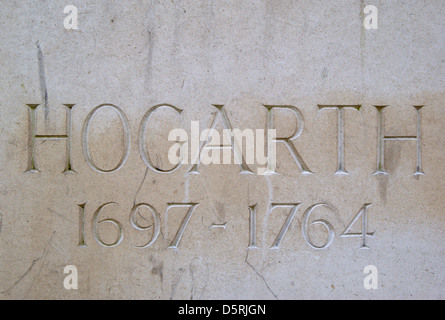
(242, 55)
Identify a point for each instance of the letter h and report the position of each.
(32, 136)
(382, 138)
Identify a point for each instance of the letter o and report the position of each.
(86, 149)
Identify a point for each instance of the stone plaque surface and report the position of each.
(97, 97)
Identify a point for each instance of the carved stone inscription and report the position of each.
(144, 153)
(222, 149)
(156, 226)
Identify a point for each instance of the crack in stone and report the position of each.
(42, 258)
(42, 79)
(140, 187)
(261, 276)
(176, 281)
(7, 291)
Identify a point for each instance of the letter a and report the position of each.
(371, 20)
(371, 279)
(70, 22)
(70, 281)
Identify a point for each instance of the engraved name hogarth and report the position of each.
(382, 138)
(359, 218)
